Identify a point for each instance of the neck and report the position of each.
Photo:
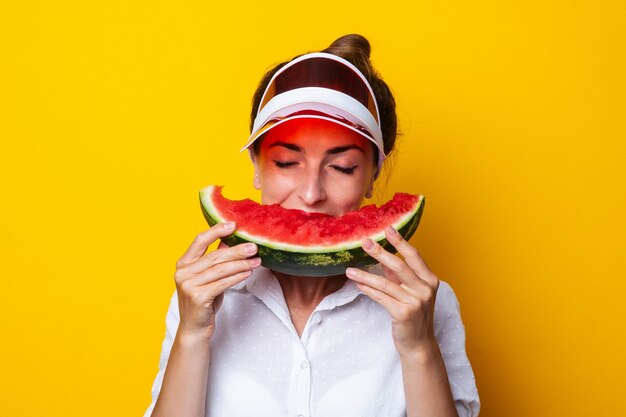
(307, 292)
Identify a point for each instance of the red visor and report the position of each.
(324, 71)
(324, 86)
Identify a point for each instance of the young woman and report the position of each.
(246, 341)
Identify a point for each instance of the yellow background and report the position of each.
(114, 114)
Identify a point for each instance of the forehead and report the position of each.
(312, 133)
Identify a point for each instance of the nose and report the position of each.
(311, 190)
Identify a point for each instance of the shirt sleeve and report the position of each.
(172, 319)
(450, 334)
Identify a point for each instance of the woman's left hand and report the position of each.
(407, 292)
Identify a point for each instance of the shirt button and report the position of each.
(317, 319)
(304, 365)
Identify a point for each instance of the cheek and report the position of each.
(275, 185)
(347, 192)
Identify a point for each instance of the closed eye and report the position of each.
(281, 164)
(345, 170)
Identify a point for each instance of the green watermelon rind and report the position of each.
(313, 261)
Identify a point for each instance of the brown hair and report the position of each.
(355, 49)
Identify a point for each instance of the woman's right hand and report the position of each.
(201, 279)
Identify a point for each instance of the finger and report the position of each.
(203, 240)
(223, 270)
(421, 289)
(411, 256)
(391, 275)
(213, 290)
(242, 251)
(400, 268)
(380, 284)
(389, 303)
(400, 312)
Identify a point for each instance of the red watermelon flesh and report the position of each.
(297, 227)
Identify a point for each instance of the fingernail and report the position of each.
(391, 231)
(255, 261)
(250, 248)
(350, 272)
(229, 225)
(368, 244)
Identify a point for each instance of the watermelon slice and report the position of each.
(311, 244)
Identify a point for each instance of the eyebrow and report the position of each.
(331, 151)
(340, 149)
(289, 146)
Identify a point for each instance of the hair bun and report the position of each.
(354, 48)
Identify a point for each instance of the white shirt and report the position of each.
(345, 364)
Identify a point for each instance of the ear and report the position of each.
(370, 189)
(257, 179)
(374, 177)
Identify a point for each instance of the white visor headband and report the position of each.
(320, 86)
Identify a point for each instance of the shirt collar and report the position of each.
(257, 283)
